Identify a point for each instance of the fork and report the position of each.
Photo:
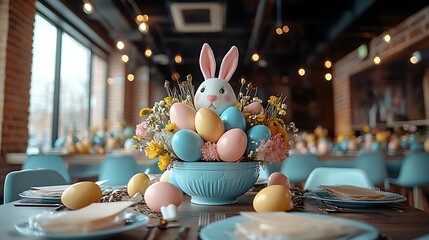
(203, 220)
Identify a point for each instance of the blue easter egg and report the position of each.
(187, 145)
(255, 135)
(172, 180)
(232, 117)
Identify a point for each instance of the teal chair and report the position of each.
(337, 176)
(151, 168)
(297, 167)
(20, 181)
(266, 169)
(47, 161)
(118, 169)
(84, 171)
(374, 165)
(414, 174)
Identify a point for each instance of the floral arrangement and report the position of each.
(187, 126)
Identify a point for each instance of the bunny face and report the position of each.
(216, 93)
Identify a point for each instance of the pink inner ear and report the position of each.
(229, 64)
(207, 62)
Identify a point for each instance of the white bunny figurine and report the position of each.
(216, 93)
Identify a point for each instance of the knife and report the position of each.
(183, 233)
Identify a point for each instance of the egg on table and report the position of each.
(278, 178)
(273, 198)
(138, 183)
(162, 194)
(81, 194)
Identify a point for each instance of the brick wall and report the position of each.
(412, 31)
(16, 36)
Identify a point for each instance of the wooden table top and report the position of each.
(396, 221)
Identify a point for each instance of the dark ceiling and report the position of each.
(317, 30)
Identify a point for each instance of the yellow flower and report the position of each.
(170, 127)
(169, 101)
(239, 105)
(260, 117)
(163, 162)
(153, 150)
(273, 100)
(145, 111)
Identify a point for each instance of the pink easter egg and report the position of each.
(278, 178)
(254, 107)
(183, 116)
(232, 145)
(162, 194)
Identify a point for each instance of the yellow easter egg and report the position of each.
(272, 198)
(209, 125)
(164, 176)
(138, 183)
(81, 194)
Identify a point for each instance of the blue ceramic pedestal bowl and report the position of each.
(215, 183)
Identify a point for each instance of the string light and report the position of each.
(255, 57)
(387, 38)
(301, 72)
(328, 64)
(143, 27)
(377, 60)
(110, 81)
(416, 57)
(125, 58)
(120, 45)
(178, 59)
(328, 77)
(130, 77)
(88, 8)
(148, 52)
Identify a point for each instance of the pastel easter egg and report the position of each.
(81, 194)
(256, 134)
(253, 108)
(187, 145)
(232, 117)
(182, 116)
(162, 194)
(278, 178)
(274, 198)
(208, 125)
(232, 145)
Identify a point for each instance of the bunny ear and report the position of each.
(229, 64)
(207, 62)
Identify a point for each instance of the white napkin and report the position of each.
(283, 225)
(349, 192)
(94, 217)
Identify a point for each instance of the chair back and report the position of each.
(118, 169)
(19, 181)
(47, 161)
(374, 165)
(414, 170)
(337, 176)
(151, 168)
(297, 167)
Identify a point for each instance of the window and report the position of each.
(42, 83)
(72, 101)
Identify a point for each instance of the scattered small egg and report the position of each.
(278, 178)
(272, 198)
(162, 194)
(138, 183)
(81, 194)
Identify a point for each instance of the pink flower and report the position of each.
(209, 152)
(141, 130)
(274, 150)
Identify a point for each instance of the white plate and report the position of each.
(224, 229)
(31, 195)
(261, 181)
(138, 221)
(326, 197)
